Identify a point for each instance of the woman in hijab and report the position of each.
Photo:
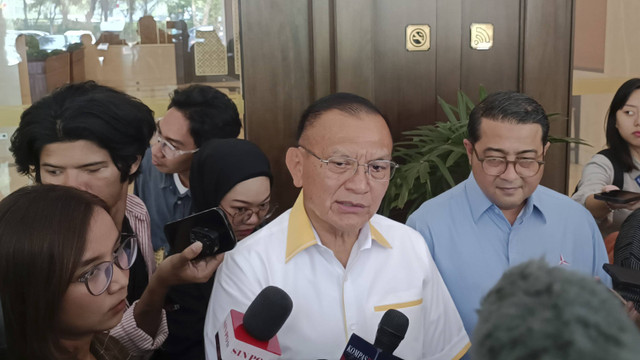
(235, 175)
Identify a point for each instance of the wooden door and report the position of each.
(297, 51)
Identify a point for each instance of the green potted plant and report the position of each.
(434, 159)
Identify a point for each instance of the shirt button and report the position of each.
(179, 202)
(353, 327)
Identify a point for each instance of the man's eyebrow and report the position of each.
(95, 163)
(504, 152)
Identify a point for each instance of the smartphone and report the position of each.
(210, 227)
(618, 196)
(622, 275)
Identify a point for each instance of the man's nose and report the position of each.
(359, 181)
(75, 180)
(156, 150)
(510, 172)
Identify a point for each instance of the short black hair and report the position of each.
(111, 119)
(510, 107)
(616, 143)
(345, 102)
(211, 114)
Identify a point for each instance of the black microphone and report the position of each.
(252, 335)
(391, 330)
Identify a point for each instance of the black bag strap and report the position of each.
(618, 179)
(617, 169)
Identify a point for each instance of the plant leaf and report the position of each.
(447, 110)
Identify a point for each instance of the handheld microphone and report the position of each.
(391, 330)
(252, 335)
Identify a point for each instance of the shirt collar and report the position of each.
(167, 180)
(479, 202)
(300, 234)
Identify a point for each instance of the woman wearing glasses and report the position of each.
(63, 274)
(235, 175)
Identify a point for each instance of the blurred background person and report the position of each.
(235, 175)
(63, 274)
(540, 312)
(621, 157)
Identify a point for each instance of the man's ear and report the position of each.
(546, 147)
(469, 147)
(294, 163)
(135, 165)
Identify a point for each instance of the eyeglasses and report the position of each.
(244, 214)
(169, 150)
(98, 278)
(379, 170)
(496, 166)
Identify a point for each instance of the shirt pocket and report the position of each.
(400, 300)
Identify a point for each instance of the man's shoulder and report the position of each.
(437, 206)
(396, 233)
(267, 240)
(554, 201)
(136, 206)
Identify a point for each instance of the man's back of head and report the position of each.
(540, 312)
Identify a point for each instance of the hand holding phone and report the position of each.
(618, 196)
(210, 227)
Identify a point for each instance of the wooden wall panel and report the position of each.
(276, 80)
(297, 51)
(496, 68)
(404, 81)
(547, 60)
(354, 47)
(322, 17)
(447, 47)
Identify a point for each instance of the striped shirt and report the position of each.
(127, 332)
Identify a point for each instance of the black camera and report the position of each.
(209, 238)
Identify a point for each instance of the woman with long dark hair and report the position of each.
(63, 274)
(622, 153)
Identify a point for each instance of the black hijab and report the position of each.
(221, 164)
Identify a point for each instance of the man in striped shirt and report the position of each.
(93, 138)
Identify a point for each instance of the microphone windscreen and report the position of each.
(267, 313)
(391, 330)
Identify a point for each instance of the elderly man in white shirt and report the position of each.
(342, 264)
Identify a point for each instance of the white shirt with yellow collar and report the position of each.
(389, 267)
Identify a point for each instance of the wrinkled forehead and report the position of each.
(338, 127)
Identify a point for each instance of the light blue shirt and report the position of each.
(473, 244)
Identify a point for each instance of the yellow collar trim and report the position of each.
(300, 232)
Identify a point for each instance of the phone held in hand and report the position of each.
(210, 227)
(618, 196)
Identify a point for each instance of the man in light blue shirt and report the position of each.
(500, 216)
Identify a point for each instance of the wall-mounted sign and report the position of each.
(481, 36)
(418, 37)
